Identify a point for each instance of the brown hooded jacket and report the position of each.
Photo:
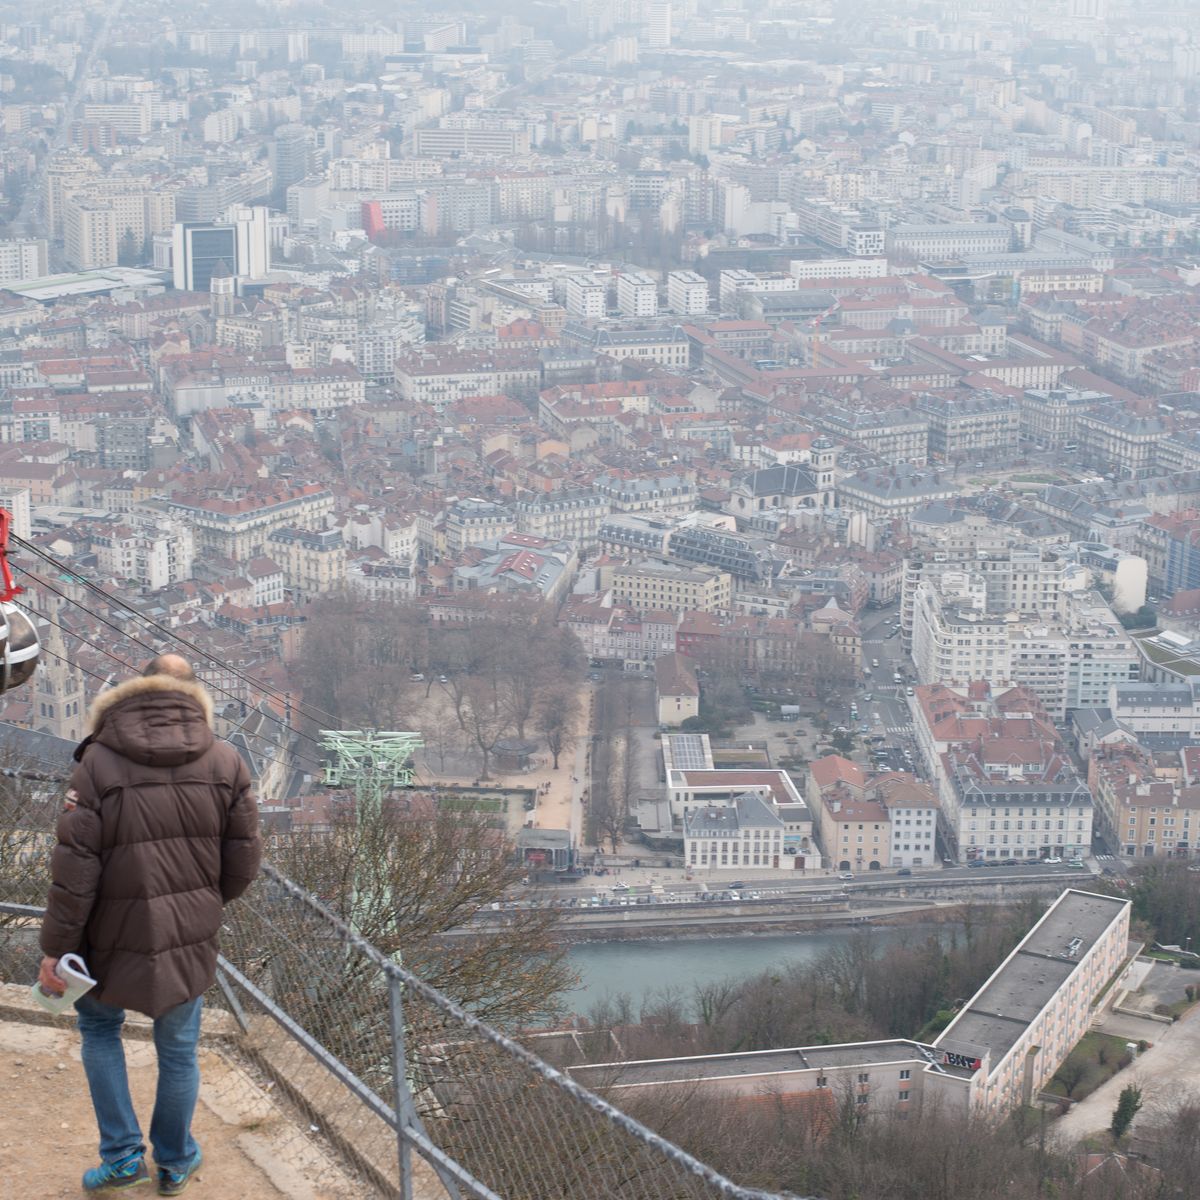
(163, 833)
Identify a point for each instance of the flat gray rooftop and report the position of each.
(765, 1062)
(1001, 1011)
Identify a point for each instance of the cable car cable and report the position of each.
(166, 631)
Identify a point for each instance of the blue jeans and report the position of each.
(176, 1033)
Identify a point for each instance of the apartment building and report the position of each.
(896, 435)
(893, 492)
(637, 294)
(998, 1053)
(915, 814)
(808, 269)
(978, 426)
(1069, 655)
(628, 493)
(1157, 714)
(854, 829)
(313, 560)
(586, 296)
(1018, 798)
(151, 549)
(239, 527)
(1114, 439)
(100, 216)
(840, 226)
(1147, 805)
(737, 280)
(936, 243)
(687, 293)
(1050, 416)
(571, 516)
(471, 522)
(22, 259)
(669, 588)
(470, 143)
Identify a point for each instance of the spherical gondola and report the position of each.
(21, 648)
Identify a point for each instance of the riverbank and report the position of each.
(703, 922)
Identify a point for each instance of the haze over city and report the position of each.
(690, 515)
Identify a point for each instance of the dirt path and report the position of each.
(48, 1132)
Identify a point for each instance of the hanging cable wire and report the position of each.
(315, 764)
(153, 650)
(303, 707)
(299, 758)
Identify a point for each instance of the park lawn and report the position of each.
(1083, 1072)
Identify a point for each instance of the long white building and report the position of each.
(998, 1053)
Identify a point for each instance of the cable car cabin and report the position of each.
(21, 648)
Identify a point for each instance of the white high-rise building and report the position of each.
(637, 294)
(704, 132)
(586, 297)
(21, 259)
(1069, 656)
(658, 25)
(687, 293)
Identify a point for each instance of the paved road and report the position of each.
(28, 220)
(1166, 1071)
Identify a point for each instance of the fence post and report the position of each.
(403, 1102)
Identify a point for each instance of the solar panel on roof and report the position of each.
(687, 751)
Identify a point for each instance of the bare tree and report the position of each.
(557, 719)
(486, 722)
(440, 728)
(406, 875)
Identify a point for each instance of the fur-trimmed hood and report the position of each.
(153, 719)
(143, 684)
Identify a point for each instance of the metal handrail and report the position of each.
(400, 1113)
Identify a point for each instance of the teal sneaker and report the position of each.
(171, 1182)
(126, 1172)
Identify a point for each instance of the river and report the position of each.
(633, 968)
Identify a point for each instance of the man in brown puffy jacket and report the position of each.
(160, 831)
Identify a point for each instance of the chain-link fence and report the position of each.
(389, 1088)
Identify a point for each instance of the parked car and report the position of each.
(1052, 861)
(977, 862)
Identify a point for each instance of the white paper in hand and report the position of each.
(72, 970)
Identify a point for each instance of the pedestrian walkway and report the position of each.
(1167, 1071)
